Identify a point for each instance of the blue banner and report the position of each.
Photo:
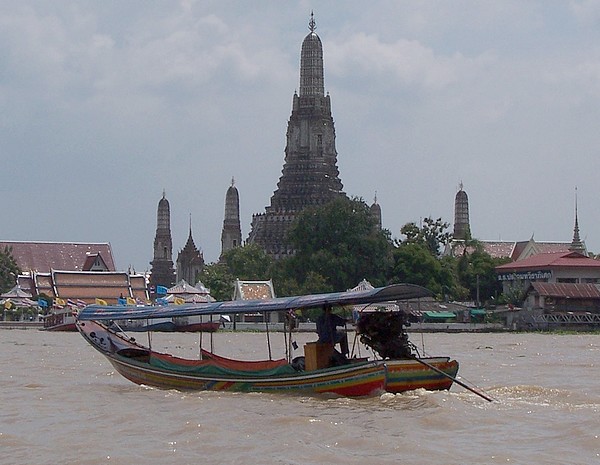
(42, 303)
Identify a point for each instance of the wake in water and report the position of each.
(539, 396)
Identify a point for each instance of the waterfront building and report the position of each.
(80, 288)
(43, 256)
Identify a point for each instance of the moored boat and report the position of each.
(60, 320)
(318, 371)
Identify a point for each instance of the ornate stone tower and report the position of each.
(310, 175)
(462, 229)
(162, 273)
(375, 211)
(231, 236)
(190, 261)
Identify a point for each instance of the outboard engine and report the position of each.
(385, 333)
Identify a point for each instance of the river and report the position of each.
(61, 402)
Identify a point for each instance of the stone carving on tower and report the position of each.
(462, 229)
(162, 273)
(190, 261)
(310, 175)
(231, 236)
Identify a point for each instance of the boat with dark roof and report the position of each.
(320, 370)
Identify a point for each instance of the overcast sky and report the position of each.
(106, 103)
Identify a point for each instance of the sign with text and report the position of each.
(525, 275)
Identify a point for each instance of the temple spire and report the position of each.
(462, 228)
(311, 64)
(576, 244)
(162, 272)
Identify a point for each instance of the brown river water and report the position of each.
(62, 403)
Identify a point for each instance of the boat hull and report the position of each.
(206, 327)
(59, 322)
(354, 380)
(360, 378)
(408, 375)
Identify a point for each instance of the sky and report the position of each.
(105, 105)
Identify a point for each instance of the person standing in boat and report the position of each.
(327, 324)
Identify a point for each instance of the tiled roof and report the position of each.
(16, 292)
(499, 249)
(251, 290)
(45, 256)
(575, 291)
(183, 287)
(87, 285)
(551, 260)
(550, 247)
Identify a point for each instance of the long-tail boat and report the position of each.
(394, 368)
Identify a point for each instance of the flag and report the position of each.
(162, 290)
(59, 301)
(101, 302)
(162, 301)
(179, 301)
(131, 301)
(81, 303)
(8, 304)
(71, 303)
(122, 301)
(42, 303)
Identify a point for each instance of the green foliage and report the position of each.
(338, 245)
(414, 264)
(476, 273)
(514, 295)
(8, 270)
(432, 234)
(217, 278)
(248, 263)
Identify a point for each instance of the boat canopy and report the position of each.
(393, 292)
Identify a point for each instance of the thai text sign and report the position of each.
(525, 276)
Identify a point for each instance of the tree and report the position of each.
(340, 242)
(476, 272)
(217, 278)
(248, 263)
(432, 234)
(414, 264)
(9, 270)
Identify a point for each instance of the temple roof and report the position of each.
(551, 260)
(45, 256)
